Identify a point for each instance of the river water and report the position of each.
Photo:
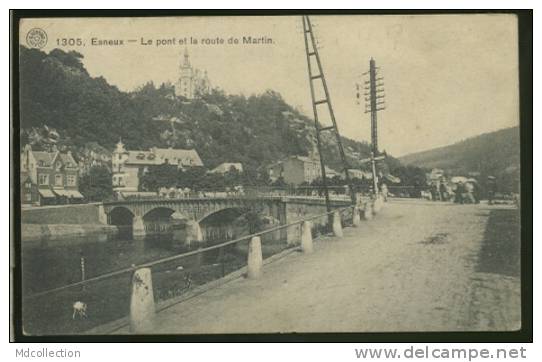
(59, 262)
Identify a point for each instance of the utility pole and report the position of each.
(374, 103)
(373, 160)
(312, 53)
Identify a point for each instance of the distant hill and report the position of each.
(495, 153)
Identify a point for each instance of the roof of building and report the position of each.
(158, 156)
(67, 159)
(47, 158)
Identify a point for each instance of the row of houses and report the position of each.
(49, 178)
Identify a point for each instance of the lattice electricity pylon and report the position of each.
(312, 53)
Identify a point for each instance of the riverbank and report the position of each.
(43, 235)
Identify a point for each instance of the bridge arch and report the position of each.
(219, 225)
(160, 212)
(123, 218)
(120, 215)
(230, 212)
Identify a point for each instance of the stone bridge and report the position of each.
(284, 210)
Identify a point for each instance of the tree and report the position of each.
(57, 91)
(191, 177)
(158, 176)
(96, 185)
(232, 177)
(410, 175)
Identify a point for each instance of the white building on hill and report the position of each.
(192, 82)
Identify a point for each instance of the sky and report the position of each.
(446, 77)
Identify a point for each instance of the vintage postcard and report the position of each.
(182, 175)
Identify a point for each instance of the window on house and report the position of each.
(43, 179)
(28, 185)
(58, 180)
(70, 179)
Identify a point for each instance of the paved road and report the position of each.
(415, 267)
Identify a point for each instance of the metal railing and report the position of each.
(336, 192)
(110, 294)
(184, 255)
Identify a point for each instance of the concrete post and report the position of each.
(368, 211)
(337, 226)
(355, 217)
(142, 308)
(292, 235)
(306, 237)
(378, 203)
(102, 216)
(138, 227)
(255, 258)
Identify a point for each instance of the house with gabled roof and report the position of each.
(49, 178)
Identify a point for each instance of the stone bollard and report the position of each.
(337, 226)
(255, 259)
(368, 211)
(355, 217)
(378, 203)
(142, 302)
(306, 237)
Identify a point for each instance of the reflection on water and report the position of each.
(52, 266)
(58, 262)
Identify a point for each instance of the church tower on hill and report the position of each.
(192, 82)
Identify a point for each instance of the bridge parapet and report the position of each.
(285, 209)
(140, 207)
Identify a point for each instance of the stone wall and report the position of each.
(57, 234)
(62, 214)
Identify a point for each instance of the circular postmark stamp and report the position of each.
(36, 38)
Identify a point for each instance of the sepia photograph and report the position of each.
(268, 174)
